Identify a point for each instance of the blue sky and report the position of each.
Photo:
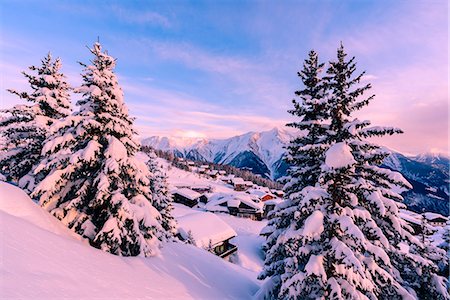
(220, 68)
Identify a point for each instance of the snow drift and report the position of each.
(41, 259)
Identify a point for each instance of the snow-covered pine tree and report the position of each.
(161, 198)
(23, 128)
(305, 152)
(93, 182)
(305, 155)
(364, 204)
(346, 240)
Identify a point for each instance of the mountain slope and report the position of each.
(430, 181)
(263, 153)
(260, 152)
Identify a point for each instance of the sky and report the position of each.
(221, 68)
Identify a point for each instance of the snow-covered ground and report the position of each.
(41, 259)
(248, 240)
(249, 255)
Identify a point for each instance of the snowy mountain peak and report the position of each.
(168, 143)
(260, 152)
(432, 157)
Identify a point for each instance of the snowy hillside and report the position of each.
(41, 259)
(261, 152)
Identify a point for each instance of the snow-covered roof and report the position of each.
(205, 227)
(187, 193)
(250, 202)
(273, 201)
(248, 183)
(201, 186)
(228, 177)
(258, 192)
(432, 216)
(238, 180)
(215, 201)
(233, 202)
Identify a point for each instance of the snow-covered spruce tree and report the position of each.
(305, 155)
(305, 152)
(346, 240)
(23, 128)
(362, 186)
(94, 184)
(161, 198)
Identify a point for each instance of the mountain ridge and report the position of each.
(265, 149)
(263, 153)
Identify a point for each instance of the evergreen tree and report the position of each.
(373, 187)
(161, 198)
(24, 127)
(305, 153)
(345, 239)
(93, 182)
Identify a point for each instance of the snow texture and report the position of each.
(339, 155)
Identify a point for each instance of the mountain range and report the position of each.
(263, 153)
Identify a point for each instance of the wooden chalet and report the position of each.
(239, 184)
(213, 173)
(248, 184)
(187, 197)
(261, 194)
(200, 188)
(228, 178)
(435, 219)
(208, 232)
(240, 206)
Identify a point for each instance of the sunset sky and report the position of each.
(221, 68)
